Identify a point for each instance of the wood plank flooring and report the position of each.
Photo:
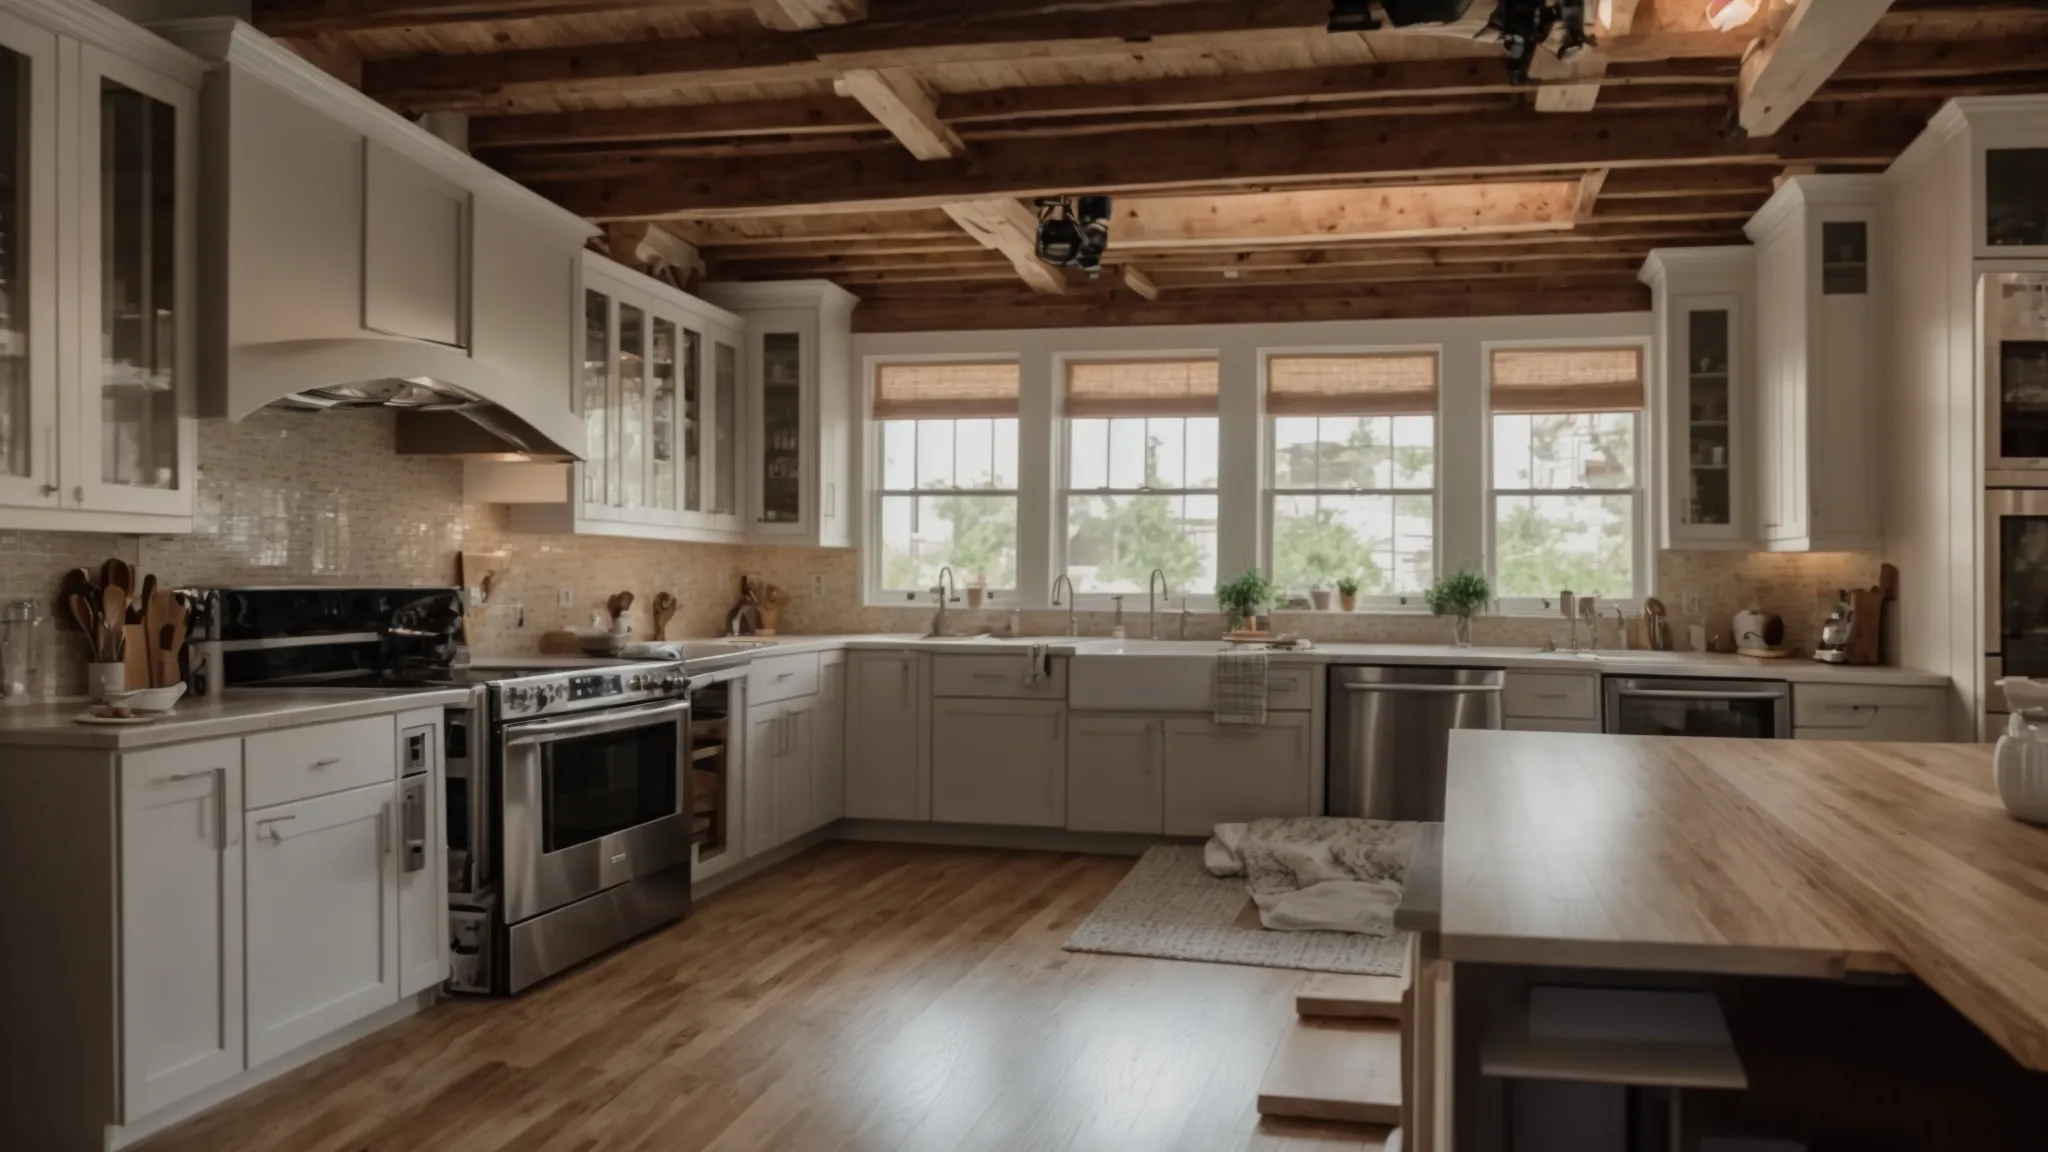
(860, 997)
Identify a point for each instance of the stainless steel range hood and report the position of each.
(447, 402)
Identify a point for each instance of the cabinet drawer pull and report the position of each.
(327, 762)
(269, 826)
(1553, 695)
(781, 676)
(181, 777)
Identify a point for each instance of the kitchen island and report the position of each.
(1730, 866)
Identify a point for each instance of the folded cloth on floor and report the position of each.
(1240, 688)
(1320, 873)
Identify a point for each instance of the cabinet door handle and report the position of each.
(220, 807)
(269, 825)
(326, 762)
(50, 459)
(906, 681)
(384, 830)
(181, 777)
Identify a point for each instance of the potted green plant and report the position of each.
(1241, 599)
(1347, 593)
(1459, 596)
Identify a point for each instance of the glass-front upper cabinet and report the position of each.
(28, 369)
(725, 436)
(1709, 410)
(2015, 201)
(594, 399)
(633, 412)
(665, 405)
(781, 429)
(137, 434)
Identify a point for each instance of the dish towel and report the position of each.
(1038, 664)
(1240, 688)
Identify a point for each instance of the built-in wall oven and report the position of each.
(2016, 589)
(1670, 706)
(572, 828)
(2013, 312)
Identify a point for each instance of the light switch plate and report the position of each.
(565, 597)
(1689, 603)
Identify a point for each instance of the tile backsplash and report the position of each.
(298, 498)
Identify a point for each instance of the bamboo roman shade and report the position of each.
(1567, 379)
(945, 391)
(1098, 388)
(1378, 384)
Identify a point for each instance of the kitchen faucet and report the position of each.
(947, 586)
(1155, 583)
(1068, 581)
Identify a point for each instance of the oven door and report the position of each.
(2013, 310)
(1743, 709)
(591, 802)
(2016, 579)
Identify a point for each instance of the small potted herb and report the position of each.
(1459, 596)
(1347, 593)
(1241, 599)
(1319, 595)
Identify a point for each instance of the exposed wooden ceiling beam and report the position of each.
(293, 18)
(1589, 193)
(792, 117)
(1148, 223)
(1006, 226)
(1778, 78)
(1138, 281)
(798, 15)
(1588, 72)
(948, 310)
(1175, 159)
(975, 37)
(902, 104)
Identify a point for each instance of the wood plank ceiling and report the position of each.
(1263, 168)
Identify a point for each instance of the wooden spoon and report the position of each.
(113, 623)
(116, 573)
(88, 622)
(173, 641)
(138, 608)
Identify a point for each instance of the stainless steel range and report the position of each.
(568, 804)
(569, 819)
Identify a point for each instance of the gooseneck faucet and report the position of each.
(1068, 581)
(946, 589)
(1155, 586)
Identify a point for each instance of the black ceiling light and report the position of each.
(1074, 233)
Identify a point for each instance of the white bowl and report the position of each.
(149, 699)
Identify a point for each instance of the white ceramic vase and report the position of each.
(2021, 767)
(104, 680)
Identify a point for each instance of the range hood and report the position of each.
(443, 396)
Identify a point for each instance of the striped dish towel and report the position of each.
(1241, 687)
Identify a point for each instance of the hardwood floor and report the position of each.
(859, 997)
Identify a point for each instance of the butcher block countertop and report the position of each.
(1759, 857)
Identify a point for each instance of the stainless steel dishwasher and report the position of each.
(1390, 735)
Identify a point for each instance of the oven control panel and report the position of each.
(583, 691)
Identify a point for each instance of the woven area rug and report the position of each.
(1170, 908)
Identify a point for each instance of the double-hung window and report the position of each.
(1353, 452)
(948, 485)
(1141, 451)
(1567, 472)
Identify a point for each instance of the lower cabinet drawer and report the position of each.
(299, 763)
(997, 678)
(1874, 713)
(1551, 696)
(1291, 687)
(776, 678)
(1224, 774)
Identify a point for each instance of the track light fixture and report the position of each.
(1520, 27)
(1074, 232)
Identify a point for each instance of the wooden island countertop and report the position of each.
(1757, 857)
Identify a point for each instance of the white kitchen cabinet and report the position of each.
(1218, 773)
(800, 409)
(999, 762)
(888, 766)
(796, 771)
(760, 822)
(415, 236)
(783, 771)
(656, 384)
(1869, 712)
(1702, 300)
(1818, 281)
(828, 736)
(181, 922)
(422, 871)
(322, 916)
(1116, 774)
(99, 269)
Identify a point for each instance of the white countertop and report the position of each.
(233, 713)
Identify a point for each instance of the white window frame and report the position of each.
(1198, 600)
(1643, 493)
(874, 593)
(1269, 462)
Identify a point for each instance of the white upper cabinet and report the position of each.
(655, 383)
(1703, 300)
(98, 263)
(426, 263)
(1817, 304)
(799, 433)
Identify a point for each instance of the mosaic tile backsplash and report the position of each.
(295, 498)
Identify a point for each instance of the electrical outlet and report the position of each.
(565, 597)
(1689, 603)
(817, 585)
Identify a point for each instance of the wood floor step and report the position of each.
(1352, 997)
(1331, 1069)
